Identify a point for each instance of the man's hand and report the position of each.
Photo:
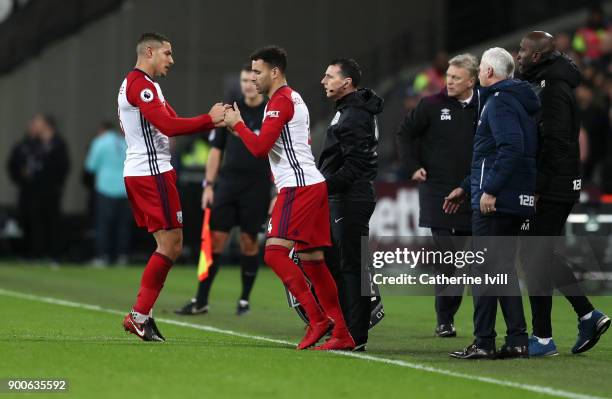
(207, 197)
(217, 113)
(232, 116)
(453, 200)
(420, 175)
(487, 204)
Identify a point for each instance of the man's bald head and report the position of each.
(535, 48)
(541, 41)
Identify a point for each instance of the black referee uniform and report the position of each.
(349, 163)
(241, 198)
(242, 189)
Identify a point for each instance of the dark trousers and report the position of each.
(349, 222)
(448, 298)
(41, 218)
(113, 222)
(546, 269)
(501, 254)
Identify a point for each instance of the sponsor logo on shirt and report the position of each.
(335, 120)
(179, 216)
(272, 114)
(445, 114)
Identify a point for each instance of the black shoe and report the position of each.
(513, 352)
(243, 307)
(151, 322)
(446, 330)
(192, 308)
(473, 352)
(360, 347)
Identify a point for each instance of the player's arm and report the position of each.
(143, 95)
(278, 112)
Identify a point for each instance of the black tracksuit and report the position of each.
(40, 170)
(349, 163)
(558, 186)
(437, 136)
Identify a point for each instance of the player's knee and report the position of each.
(248, 244)
(172, 246)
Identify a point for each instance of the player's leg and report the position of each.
(253, 204)
(223, 217)
(277, 257)
(249, 250)
(313, 263)
(311, 228)
(156, 205)
(219, 239)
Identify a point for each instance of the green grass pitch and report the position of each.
(220, 355)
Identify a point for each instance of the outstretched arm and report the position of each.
(278, 112)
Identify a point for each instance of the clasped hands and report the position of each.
(225, 115)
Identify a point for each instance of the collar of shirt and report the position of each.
(465, 103)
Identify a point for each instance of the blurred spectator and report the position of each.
(428, 82)
(112, 211)
(39, 165)
(563, 42)
(587, 40)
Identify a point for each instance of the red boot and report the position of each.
(314, 332)
(339, 341)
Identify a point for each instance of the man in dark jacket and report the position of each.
(553, 76)
(349, 163)
(502, 186)
(435, 145)
(39, 165)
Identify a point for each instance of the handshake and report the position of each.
(225, 115)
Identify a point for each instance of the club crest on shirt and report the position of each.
(146, 95)
(445, 114)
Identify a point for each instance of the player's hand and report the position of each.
(232, 116)
(217, 113)
(453, 200)
(487, 204)
(208, 197)
(419, 175)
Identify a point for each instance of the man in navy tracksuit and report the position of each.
(502, 186)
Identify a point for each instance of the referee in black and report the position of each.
(238, 192)
(435, 145)
(349, 163)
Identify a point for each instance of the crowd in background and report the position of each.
(590, 46)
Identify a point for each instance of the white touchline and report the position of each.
(416, 366)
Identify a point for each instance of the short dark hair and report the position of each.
(152, 36)
(349, 68)
(246, 67)
(273, 55)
